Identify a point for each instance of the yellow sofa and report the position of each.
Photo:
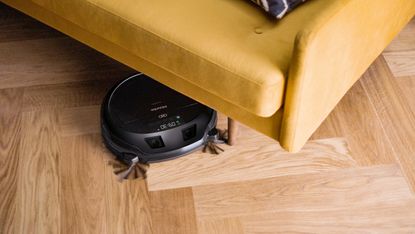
(281, 78)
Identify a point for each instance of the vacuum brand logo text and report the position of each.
(158, 108)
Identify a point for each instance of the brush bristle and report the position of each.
(216, 137)
(125, 172)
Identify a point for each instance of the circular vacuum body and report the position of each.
(143, 118)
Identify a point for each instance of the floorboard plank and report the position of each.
(395, 114)
(356, 120)
(28, 63)
(404, 40)
(341, 189)
(221, 226)
(400, 54)
(82, 186)
(407, 85)
(127, 204)
(173, 211)
(373, 219)
(401, 63)
(253, 158)
(80, 120)
(38, 200)
(17, 26)
(10, 135)
(69, 95)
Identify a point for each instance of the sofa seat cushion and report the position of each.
(226, 47)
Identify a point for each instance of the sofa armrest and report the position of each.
(330, 55)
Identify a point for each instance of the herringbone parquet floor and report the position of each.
(356, 175)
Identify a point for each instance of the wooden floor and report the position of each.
(357, 174)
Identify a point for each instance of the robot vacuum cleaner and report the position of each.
(143, 118)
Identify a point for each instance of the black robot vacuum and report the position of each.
(142, 118)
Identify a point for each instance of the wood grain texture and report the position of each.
(341, 189)
(407, 85)
(400, 54)
(356, 120)
(16, 26)
(96, 202)
(82, 185)
(252, 158)
(221, 226)
(397, 218)
(405, 39)
(38, 200)
(27, 63)
(173, 212)
(401, 63)
(395, 114)
(10, 135)
(80, 120)
(127, 205)
(67, 95)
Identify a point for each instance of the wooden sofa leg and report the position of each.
(232, 131)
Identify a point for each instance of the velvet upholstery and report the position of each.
(281, 79)
(237, 48)
(330, 55)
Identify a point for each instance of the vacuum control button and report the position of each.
(155, 142)
(189, 132)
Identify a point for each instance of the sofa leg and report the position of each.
(232, 131)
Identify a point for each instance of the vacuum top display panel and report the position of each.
(142, 105)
